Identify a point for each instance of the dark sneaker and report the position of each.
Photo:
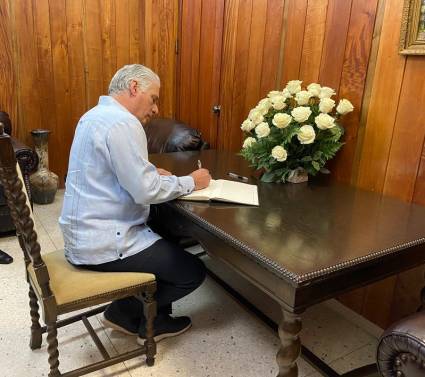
(119, 322)
(166, 326)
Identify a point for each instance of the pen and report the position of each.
(237, 176)
(199, 164)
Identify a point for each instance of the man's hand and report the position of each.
(201, 177)
(163, 171)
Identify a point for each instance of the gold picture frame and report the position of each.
(412, 36)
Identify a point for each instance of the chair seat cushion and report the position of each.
(71, 285)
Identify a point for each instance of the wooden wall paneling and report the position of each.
(314, 33)
(29, 116)
(211, 35)
(8, 93)
(419, 193)
(409, 133)
(240, 24)
(271, 48)
(62, 131)
(187, 35)
(353, 78)
(255, 55)
(45, 64)
(383, 104)
(134, 32)
(93, 52)
(109, 41)
(75, 33)
(337, 22)
(166, 36)
(227, 70)
(293, 44)
(122, 32)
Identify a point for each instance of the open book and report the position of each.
(226, 191)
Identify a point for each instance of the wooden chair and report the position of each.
(60, 288)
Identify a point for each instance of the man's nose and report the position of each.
(155, 109)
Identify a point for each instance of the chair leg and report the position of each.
(35, 341)
(52, 349)
(150, 314)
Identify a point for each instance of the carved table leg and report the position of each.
(290, 348)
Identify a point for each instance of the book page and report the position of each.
(207, 193)
(237, 192)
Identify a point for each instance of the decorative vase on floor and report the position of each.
(44, 183)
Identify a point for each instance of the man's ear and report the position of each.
(133, 88)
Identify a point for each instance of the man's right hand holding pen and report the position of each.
(201, 177)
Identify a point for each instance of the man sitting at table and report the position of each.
(109, 188)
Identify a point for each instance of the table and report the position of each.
(304, 244)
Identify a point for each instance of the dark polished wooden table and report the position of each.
(304, 244)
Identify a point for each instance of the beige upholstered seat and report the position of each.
(58, 287)
(75, 286)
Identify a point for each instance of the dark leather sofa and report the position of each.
(28, 161)
(401, 350)
(169, 135)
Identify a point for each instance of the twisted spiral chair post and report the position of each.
(149, 309)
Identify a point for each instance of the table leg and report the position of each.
(290, 348)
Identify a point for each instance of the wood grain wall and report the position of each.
(58, 56)
(349, 45)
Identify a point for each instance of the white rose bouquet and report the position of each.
(293, 131)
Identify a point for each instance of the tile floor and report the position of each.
(226, 340)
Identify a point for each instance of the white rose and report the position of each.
(326, 105)
(302, 97)
(344, 107)
(306, 134)
(263, 106)
(262, 130)
(255, 116)
(324, 121)
(247, 125)
(248, 142)
(274, 93)
(326, 92)
(286, 93)
(278, 102)
(314, 89)
(294, 86)
(279, 153)
(281, 120)
(301, 113)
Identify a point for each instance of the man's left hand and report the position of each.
(163, 172)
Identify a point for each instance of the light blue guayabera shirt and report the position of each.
(109, 187)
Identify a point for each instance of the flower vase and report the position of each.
(298, 175)
(43, 182)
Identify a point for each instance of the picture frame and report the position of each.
(412, 33)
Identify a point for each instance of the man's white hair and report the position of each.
(125, 75)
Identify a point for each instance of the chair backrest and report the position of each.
(20, 210)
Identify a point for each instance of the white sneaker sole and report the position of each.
(114, 326)
(159, 337)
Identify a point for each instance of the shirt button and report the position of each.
(118, 233)
(120, 255)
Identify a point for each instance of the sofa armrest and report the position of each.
(401, 350)
(169, 135)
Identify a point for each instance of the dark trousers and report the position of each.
(177, 272)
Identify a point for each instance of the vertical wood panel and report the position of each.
(209, 68)
(8, 93)
(26, 64)
(74, 11)
(122, 32)
(353, 78)
(272, 43)
(109, 41)
(419, 193)
(337, 22)
(134, 32)
(62, 133)
(314, 33)
(294, 34)
(385, 93)
(409, 133)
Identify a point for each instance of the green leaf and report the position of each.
(316, 165)
(268, 177)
